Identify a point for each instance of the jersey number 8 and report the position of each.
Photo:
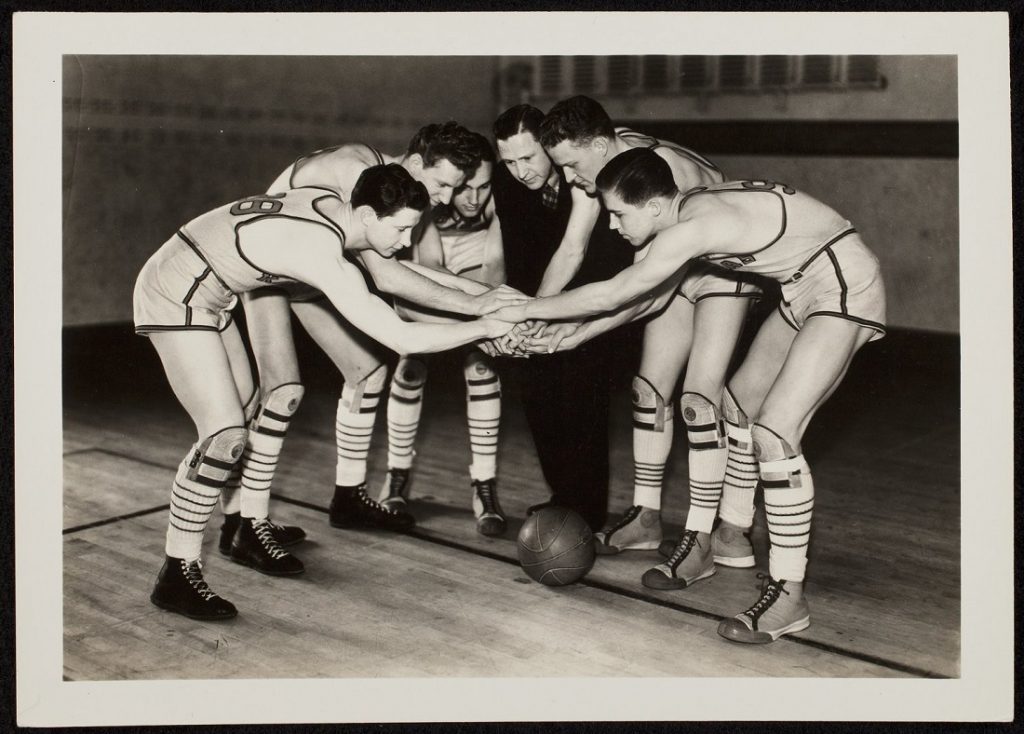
(260, 204)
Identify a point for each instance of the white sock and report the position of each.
(789, 504)
(483, 416)
(405, 404)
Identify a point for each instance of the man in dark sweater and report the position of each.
(557, 237)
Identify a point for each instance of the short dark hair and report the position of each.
(523, 118)
(484, 149)
(637, 176)
(388, 189)
(578, 119)
(448, 141)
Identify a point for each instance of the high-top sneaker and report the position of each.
(256, 547)
(180, 588)
(394, 494)
(490, 520)
(353, 508)
(285, 535)
(690, 562)
(639, 529)
(781, 610)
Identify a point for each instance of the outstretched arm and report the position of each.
(668, 254)
(316, 259)
(566, 261)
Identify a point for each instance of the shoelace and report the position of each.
(630, 516)
(682, 548)
(770, 590)
(264, 533)
(193, 573)
(485, 490)
(373, 504)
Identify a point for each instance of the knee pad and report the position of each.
(410, 374)
(732, 410)
(366, 391)
(649, 409)
(780, 465)
(278, 407)
(704, 426)
(215, 456)
(482, 381)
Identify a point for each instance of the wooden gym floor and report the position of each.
(883, 581)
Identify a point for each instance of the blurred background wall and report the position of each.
(151, 141)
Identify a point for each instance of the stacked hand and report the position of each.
(490, 303)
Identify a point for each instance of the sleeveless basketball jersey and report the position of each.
(805, 228)
(640, 140)
(462, 241)
(215, 235)
(286, 180)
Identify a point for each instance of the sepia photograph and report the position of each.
(528, 375)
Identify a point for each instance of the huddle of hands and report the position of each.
(513, 334)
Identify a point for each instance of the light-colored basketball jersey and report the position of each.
(215, 235)
(463, 241)
(805, 228)
(709, 171)
(341, 185)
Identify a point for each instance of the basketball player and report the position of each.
(833, 302)
(701, 324)
(439, 157)
(469, 246)
(182, 302)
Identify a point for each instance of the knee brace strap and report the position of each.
(649, 409)
(278, 407)
(252, 405)
(215, 456)
(704, 428)
(780, 465)
(482, 381)
(734, 414)
(368, 389)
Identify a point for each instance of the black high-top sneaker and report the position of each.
(285, 535)
(353, 508)
(395, 492)
(180, 588)
(256, 547)
(490, 520)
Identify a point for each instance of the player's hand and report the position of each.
(488, 347)
(552, 338)
(495, 328)
(496, 297)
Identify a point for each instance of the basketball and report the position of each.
(555, 546)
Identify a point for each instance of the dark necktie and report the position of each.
(549, 196)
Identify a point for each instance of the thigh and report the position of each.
(764, 360)
(238, 359)
(269, 322)
(353, 353)
(668, 338)
(717, 323)
(814, 367)
(199, 372)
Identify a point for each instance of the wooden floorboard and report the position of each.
(883, 583)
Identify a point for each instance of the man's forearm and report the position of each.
(445, 280)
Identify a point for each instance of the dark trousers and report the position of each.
(566, 398)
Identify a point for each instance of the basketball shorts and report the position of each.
(844, 280)
(703, 280)
(177, 290)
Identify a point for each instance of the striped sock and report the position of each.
(741, 472)
(708, 453)
(262, 450)
(405, 404)
(483, 415)
(651, 446)
(197, 486)
(789, 504)
(230, 497)
(353, 430)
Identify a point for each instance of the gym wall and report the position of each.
(151, 141)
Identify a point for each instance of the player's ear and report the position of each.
(600, 145)
(654, 207)
(365, 214)
(416, 161)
